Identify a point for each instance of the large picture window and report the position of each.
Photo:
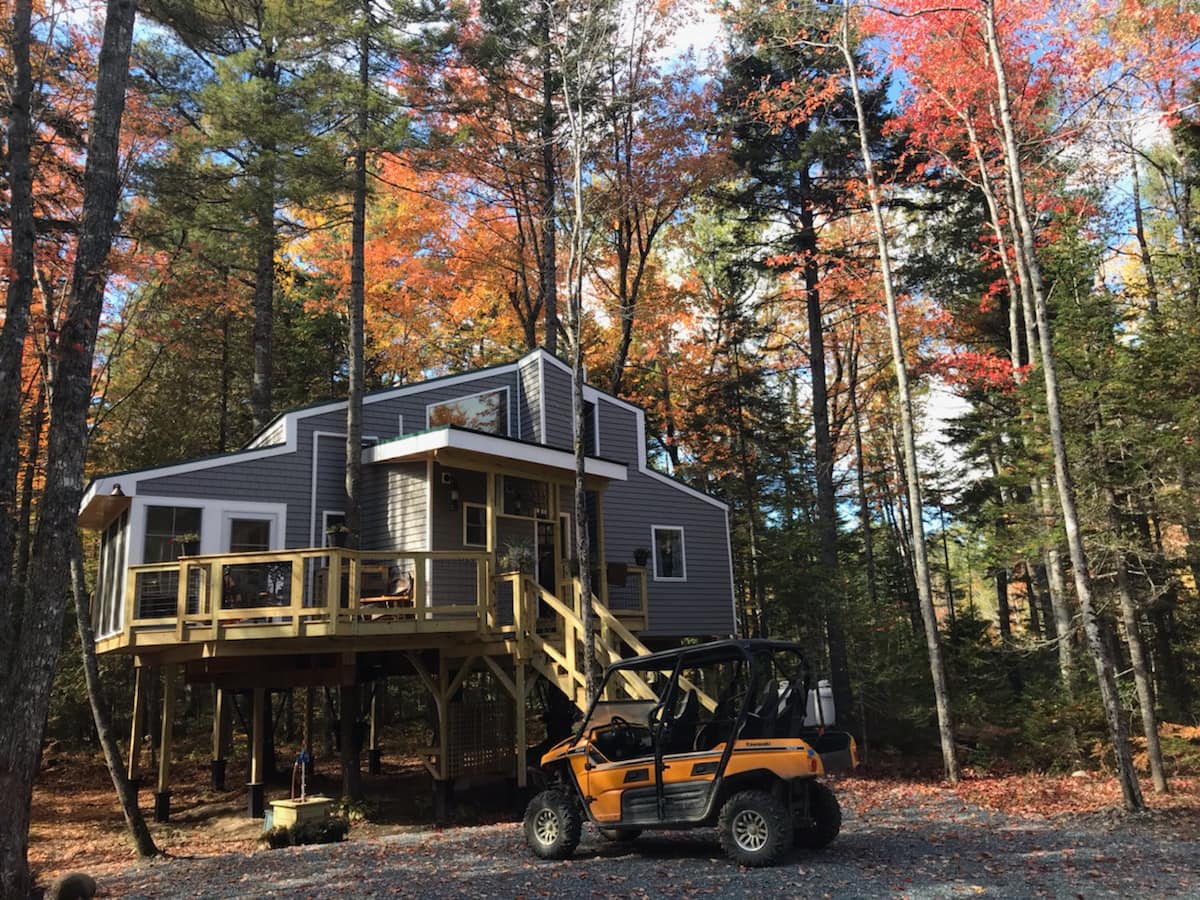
(168, 530)
(487, 411)
(669, 561)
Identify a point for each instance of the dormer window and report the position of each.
(486, 411)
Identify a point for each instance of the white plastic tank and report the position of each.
(825, 714)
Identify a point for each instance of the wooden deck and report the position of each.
(334, 599)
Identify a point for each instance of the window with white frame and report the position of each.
(486, 411)
(669, 561)
(249, 535)
(170, 530)
(474, 525)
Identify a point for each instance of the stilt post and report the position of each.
(374, 754)
(162, 796)
(255, 800)
(136, 727)
(219, 738)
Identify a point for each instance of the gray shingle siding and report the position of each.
(557, 397)
(394, 506)
(701, 605)
(529, 408)
(394, 495)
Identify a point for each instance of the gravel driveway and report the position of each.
(938, 847)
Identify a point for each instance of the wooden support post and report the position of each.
(219, 738)
(441, 784)
(258, 739)
(374, 754)
(133, 769)
(309, 702)
(162, 796)
(522, 742)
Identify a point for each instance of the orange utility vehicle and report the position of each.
(733, 739)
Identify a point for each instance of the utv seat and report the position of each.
(682, 733)
(760, 723)
(790, 718)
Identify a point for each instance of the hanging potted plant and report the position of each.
(188, 543)
(337, 534)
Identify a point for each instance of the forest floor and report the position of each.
(1010, 836)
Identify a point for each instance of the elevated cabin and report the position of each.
(229, 567)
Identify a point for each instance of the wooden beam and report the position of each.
(168, 728)
(522, 742)
(258, 738)
(458, 679)
(502, 676)
(138, 723)
(220, 723)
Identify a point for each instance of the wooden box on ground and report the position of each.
(285, 813)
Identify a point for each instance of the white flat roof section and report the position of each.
(420, 445)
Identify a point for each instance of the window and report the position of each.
(474, 525)
(669, 563)
(524, 497)
(487, 411)
(249, 535)
(165, 525)
(589, 427)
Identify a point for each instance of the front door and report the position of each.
(546, 573)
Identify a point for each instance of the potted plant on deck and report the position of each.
(188, 543)
(516, 556)
(337, 534)
(641, 556)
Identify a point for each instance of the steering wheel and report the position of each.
(623, 737)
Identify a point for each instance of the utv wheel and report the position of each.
(755, 829)
(826, 819)
(552, 825)
(620, 835)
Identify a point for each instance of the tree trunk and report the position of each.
(37, 422)
(832, 586)
(16, 315)
(860, 474)
(1137, 653)
(941, 688)
(358, 224)
(1127, 775)
(1139, 229)
(549, 262)
(349, 704)
(264, 276)
(25, 689)
(138, 832)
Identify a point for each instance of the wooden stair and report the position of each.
(559, 657)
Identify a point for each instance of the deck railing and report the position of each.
(316, 591)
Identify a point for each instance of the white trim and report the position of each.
(399, 424)
(212, 521)
(542, 395)
(507, 406)
(654, 529)
(227, 517)
(466, 505)
(451, 438)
